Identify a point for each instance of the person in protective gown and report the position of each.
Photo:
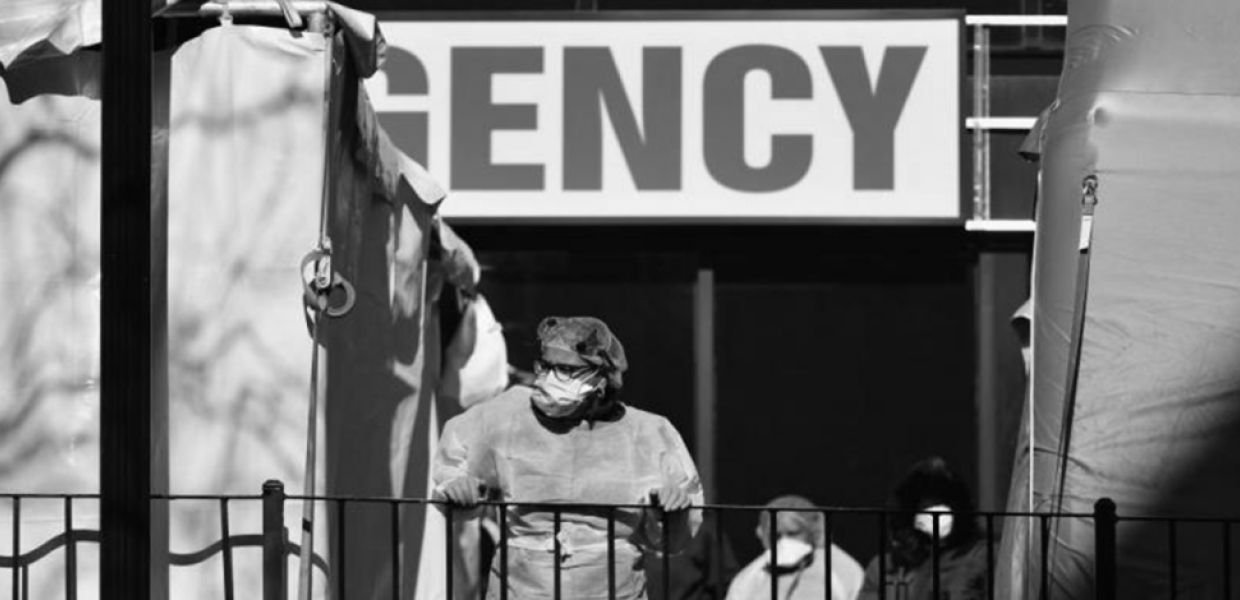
(800, 561)
(931, 488)
(570, 440)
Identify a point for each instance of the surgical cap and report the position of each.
(802, 523)
(585, 339)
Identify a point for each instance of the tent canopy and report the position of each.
(1135, 386)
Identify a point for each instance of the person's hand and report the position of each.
(671, 498)
(463, 491)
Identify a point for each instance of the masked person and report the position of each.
(930, 488)
(569, 439)
(801, 559)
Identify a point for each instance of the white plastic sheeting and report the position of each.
(246, 160)
(1149, 104)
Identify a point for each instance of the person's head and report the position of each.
(798, 532)
(580, 361)
(931, 488)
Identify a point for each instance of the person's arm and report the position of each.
(681, 490)
(462, 466)
(740, 588)
(846, 574)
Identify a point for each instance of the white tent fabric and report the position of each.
(35, 29)
(1149, 415)
(246, 165)
(49, 326)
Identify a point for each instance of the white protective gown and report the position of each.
(847, 576)
(503, 443)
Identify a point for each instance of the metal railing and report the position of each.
(277, 548)
(981, 123)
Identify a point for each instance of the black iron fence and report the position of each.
(277, 548)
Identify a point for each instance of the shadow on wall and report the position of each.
(49, 327)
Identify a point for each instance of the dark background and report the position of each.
(843, 354)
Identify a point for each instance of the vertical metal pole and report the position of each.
(558, 556)
(828, 532)
(338, 558)
(125, 307)
(1104, 550)
(161, 112)
(70, 553)
(1227, 559)
(275, 562)
(704, 396)
(986, 399)
(611, 554)
(17, 546)
(666, 525)
(772, 535)
(1172, 560)
(981, 110)
(990, 557)
(1046, 557)
(225, 533)
(882, 556)
(449, 550)
(395, 539)
(935, 579)
(318, 356)
(717, 555)
(503, 551)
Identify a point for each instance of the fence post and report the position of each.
(1104, 549)
(275, 561)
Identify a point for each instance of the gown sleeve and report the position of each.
(464, 451)
(677, 468)
(743, 585)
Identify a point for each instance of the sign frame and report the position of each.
(964, 159)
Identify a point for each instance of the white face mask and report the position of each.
(560, 398)
(924, 521)
(790, 552)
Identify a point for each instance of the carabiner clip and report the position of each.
(318, 287)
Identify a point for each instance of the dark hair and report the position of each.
(928, 483)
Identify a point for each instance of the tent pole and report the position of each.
(126, 298)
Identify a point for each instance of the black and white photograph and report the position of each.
(619, 300)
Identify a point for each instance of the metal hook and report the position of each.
(1089, 200)
(317, 288)
(350, 297)
(1089, 190)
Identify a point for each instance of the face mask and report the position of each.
(925, 522)
(790, 552)
(560, 398)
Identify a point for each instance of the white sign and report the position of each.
(691, 118)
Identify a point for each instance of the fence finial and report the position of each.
(275, 561)
(1104, 549)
